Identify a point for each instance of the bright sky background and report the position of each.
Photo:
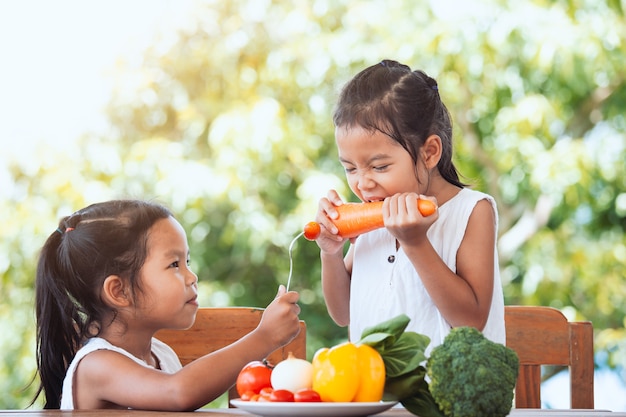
(57, 58)
(56, 77)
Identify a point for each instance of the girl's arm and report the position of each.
(464, 297)
(336, 285)
(106, 379)
(336, 269)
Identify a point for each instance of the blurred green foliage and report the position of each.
(230, 125)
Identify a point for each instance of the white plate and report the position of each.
(273, 409)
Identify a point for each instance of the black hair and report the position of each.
(103, 239)
(405, 105)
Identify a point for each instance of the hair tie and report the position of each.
(59, 230)
(434, 87)
(68, 229)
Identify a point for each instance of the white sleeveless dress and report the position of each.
(168, 362)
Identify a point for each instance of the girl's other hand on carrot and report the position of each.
(403, 219)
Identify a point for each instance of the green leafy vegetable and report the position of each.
(403, 354)
(406, 354)
(404, 386)
(392, 327)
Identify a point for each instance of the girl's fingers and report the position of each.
(334, 197)
(326, 210)
(281, 290)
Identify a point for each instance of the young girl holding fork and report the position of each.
(109, 277)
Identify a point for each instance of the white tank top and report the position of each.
(168, 362)
(383, 287)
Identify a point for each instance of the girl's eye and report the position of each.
(174, 264)
(349, 170)
(381, 168)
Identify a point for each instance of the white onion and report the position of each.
(292, 374)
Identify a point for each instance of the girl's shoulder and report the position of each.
(464, 202)
(97, 343)
(168, 359)
(468, 196)
(457, 210)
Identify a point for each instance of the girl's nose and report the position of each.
(364, 182)
(192, 278)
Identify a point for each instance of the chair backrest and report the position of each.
(217, 327)
(544, 336)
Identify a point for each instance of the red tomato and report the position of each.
(312, 230)
(253, 377)
(281, 396)
(307, 395)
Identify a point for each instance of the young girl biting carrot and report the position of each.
(394, 138)
(109, 277)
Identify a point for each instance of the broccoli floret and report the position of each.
(471, 375)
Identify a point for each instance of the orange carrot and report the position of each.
(426, 207)
(358, 218)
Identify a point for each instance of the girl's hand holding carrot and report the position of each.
(329, 240)
(407, 221)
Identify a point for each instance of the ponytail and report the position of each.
(57, 336)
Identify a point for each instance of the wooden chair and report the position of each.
(216, 327)
(544, 336)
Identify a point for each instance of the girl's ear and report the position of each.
(431, 151)
(115, 292)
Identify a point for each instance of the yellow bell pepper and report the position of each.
(372, 373)
(347, 373)
(335, 373)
